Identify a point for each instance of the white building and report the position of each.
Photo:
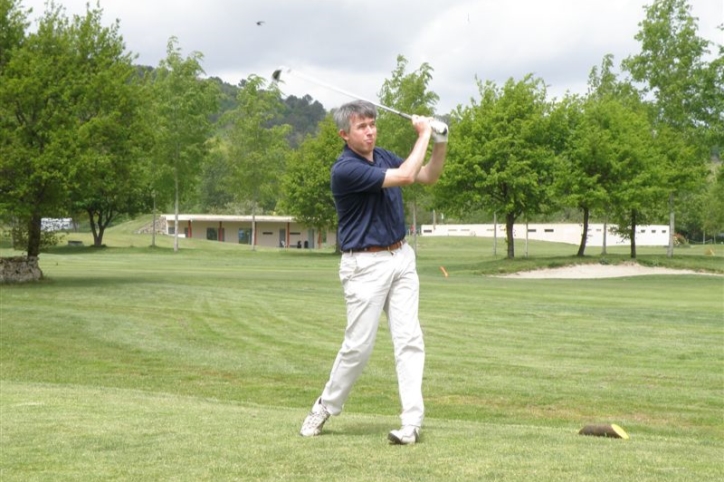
(652, 235)
(271, 231)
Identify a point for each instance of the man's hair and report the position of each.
(360, 108)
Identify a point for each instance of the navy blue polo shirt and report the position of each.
(368, 214)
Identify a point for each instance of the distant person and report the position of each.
(378, 268)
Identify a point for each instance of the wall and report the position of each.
(653, 235)
(19, 269)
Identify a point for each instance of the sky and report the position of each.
(354, 45)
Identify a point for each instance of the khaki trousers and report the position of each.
(376, 282)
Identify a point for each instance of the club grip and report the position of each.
(439, 127)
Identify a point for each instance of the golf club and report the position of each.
(437, 126)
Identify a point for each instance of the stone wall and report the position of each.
(19, 269)
(160, 227)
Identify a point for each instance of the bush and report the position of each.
(19, 235)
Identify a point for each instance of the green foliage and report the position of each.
(41, 89)
(713, 205)
(303, 115)
(638, 194)
(72, 112)
(406, 92)
(606, 150)
(215, 196)
(13, 23)
(183, 105)
(113, 136)
(502, 159)
(305, 186)
(257, 148)
(19, 237)
(713, 104)
(688, 109)
(670, 63)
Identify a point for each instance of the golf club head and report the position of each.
(277, 74)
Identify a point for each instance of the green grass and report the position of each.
(138, 363)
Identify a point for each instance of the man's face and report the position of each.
(362, 135)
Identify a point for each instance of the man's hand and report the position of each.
(421, 125)
(439, 131)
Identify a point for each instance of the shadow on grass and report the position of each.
(86, 282)
(75, 250)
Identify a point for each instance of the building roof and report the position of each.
(230, 218)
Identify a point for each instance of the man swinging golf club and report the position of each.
(378, 268)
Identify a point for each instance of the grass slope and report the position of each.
(138, 363)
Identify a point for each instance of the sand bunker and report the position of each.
(588, 271)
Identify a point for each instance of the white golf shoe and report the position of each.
(407, 435)
(314, 422)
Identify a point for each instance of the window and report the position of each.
(244, 236)
(211, 234)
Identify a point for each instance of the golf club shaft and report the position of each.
(308, 78)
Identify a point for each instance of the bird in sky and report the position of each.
(260, 23)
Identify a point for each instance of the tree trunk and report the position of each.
(633, 234)
(253, 226)
(495, 234)
(584, 233)
(34, 235)
(175, 212)
(509, 224)
(670, 250)
(93, 227)
(153, 230)
(98, 227)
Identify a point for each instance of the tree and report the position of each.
(672, 69)
(713, 206)
(637, 186)
(44, 85)
(38, 153)
(712, 119)
(502, 159)
(112, 133)
(214, 194)
(303, 115)
(592, 149)
(258, 148)
(406, 93)
(13, 23)
(184, 104)
(306, 184)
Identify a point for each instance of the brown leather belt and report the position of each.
(377, 249)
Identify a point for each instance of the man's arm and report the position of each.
(409, 170)
(430, 172)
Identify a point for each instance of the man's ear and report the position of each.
(343, 134)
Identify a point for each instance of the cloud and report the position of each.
(355, 45)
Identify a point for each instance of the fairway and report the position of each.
(138, 363)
